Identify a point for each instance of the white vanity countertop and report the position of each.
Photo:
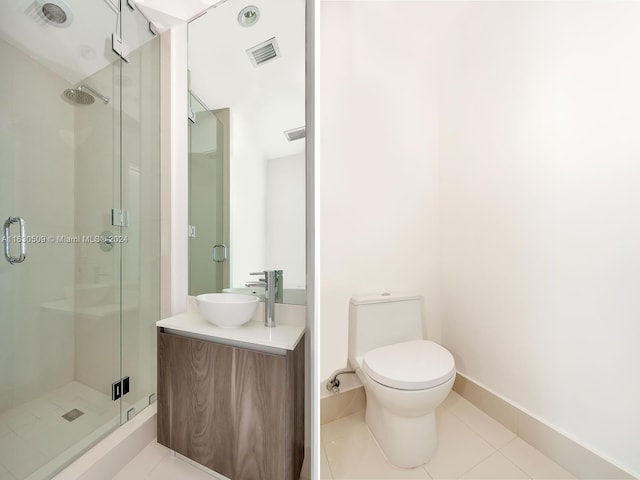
(252, 334)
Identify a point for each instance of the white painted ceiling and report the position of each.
(168, 13)
(265, 100)
(75, 51)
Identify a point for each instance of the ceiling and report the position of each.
(80, 48)
(264, 100)
(73, 52)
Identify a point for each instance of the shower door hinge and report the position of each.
(119, 388)
(118, 46)
(119, 218)
(191, 115)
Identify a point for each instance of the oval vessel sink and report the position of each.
(227, 310)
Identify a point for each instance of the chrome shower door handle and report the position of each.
(6, 237)
(214, 253)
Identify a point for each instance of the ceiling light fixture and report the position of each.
(54, 12)
(249, 16)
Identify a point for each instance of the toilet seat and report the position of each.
(413, 365)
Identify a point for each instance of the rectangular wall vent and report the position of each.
(296, 133)
(264, 52)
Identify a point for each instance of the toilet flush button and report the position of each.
(386, 294)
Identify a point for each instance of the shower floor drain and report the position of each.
(71, 415)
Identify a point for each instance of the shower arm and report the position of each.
(96, 93)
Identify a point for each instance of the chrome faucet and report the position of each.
(272, 283)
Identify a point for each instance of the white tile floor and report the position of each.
(34, 435)
(156, 462)
(471, 445)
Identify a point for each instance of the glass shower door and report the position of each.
(140, 201)
(208, 202)
(61, 275)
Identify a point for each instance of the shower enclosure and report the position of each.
(79, 202)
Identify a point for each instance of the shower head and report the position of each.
(78, 96)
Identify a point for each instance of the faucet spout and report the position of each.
(272, 283)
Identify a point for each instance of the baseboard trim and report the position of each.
(342, 404)
(569, 454)
(575, 458)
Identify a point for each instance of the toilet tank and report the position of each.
(382, 319)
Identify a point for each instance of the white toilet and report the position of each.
(405, 376)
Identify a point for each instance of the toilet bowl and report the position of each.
(405, 376)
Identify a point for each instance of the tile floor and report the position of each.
(34, 435)
(472, 446)
(157, 462)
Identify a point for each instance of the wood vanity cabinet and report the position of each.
(237, 411)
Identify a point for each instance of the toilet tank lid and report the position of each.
(413, 365)
(383, 297)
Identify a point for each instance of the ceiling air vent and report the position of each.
(264, 52)
(295, 134)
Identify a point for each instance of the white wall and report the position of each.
(378, 169)
(285, 242)
(246, 204)
(175, 154)
(536, 110)
(539, 175)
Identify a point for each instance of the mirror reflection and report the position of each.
(208, 198)
(247, 66)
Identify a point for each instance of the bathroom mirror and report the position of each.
(248, 59)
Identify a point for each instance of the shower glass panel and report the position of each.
(208, 201)
(87, 278)
(140, 199)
